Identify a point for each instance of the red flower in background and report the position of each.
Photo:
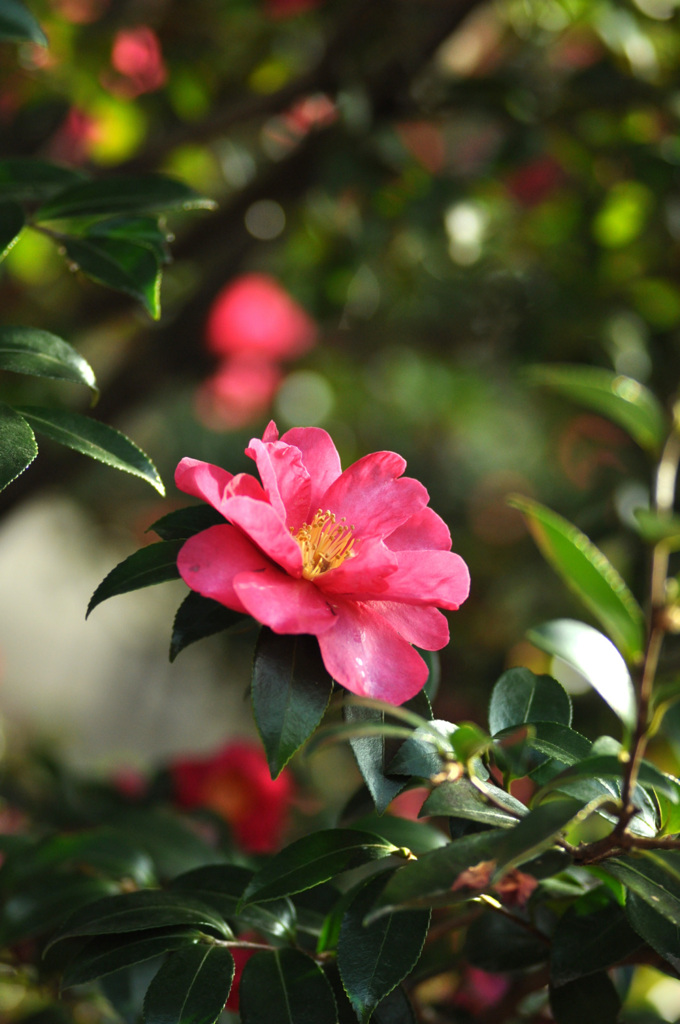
(536, 180)
(138, 57)
(355, 558)
(289, 8)
(240, 391)
(235, 783)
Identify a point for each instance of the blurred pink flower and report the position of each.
(479, 990)
(355, 558)
(236, 784)
(289, 8)
(137, 56)
(254, 315)
(238, 392)
(70, 144)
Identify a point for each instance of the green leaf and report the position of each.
(41, 354)
(18, 24)
(191, 987)
(592, 935)
(18, 447)
(169, 839)
(156, 563)
(144, 231)
(373, 959)
(144, 910)
(183, 523)
(105, 954)
(28, 180)
(222, 886)
(498, 943)
(654, 927)
(44, 903)
(12, 221)
(198, 617)
(588, 573)
(97, 440)
(314, 859)
(591, 1000)
(612, 767)
(654, 876)
(285, 986)
(290, 692)
(121, 195)
(657, 529)
(621, 399)
(461, 799)
(595, 657)
(520, 696)
(118, 264)
(537, 831)
(423, 754)
(370, 755)
(417, 836)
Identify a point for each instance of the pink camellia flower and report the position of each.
(235, 783)
(137, 55)
(255, 316)
(356, 558)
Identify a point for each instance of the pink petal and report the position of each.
(320, 458)
(264, 527)
(429, 577)
(368, 657)
(422, 625)
(425, 529)
(243, 485)
(286, 481)
(284, 604)
(203, 480)
(271, 432)
(365, 573)
(209, 561)
(372, 498)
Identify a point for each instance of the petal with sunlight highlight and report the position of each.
(373, 495)
(209, 561)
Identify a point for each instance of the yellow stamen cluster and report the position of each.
(324, 543)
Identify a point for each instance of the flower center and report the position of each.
(324, 543)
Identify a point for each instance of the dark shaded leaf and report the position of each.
(29, 180)
(33, 351)
(314, 859)
(96, 440)
(121, 195)
(654, 876)
(290, 692)
(592, 935)
(422, 754)
(12, 220)
(18, 446)
(587, 572)
(171, 842)
(591, 1000)
(654, 927)
(536, 831)
(495, 942)
(285, 986)
(373, 959)
(370, 755)
(198, 617)
(520, 696)
(657, 529)
(105, 954)
(413, 835)
(185, 522)
(144, 231)
(118, 264)
(191, 987)
(37, 907)
(156, 563)
(17, 23)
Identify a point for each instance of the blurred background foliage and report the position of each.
(417, 199)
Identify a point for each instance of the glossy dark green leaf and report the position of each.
(595, 657)
(121, 195)
(97, 440)
(590, 1000)
(170, 840)
(12, 221)
(610, 766)
(141, 911)
(290, 692)
(587, 572)
(118, 264)
(520, 696)
(654, 876)
(222, 886)
(18, 447)
(433, 874)
(371, 756)
(558, 742)
(417, 836)
(592, 935)
(621, 399)
(105, 954)
(198, 617)
(41, 354)
(44, 903)
(461, 799)
(536, 832)
(191, 987)
(285, 986)
(373, 959)
(144, 231)
(422, 754)
(496, 942)
(156, 563)
(654, 927)
(29, 180)
(18, 24)
(185, 522)
(314, 859)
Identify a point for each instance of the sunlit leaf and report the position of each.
(537, 831)
(41, 354)
(96, 440)
(123, 195)
(18, 447)
(462, 799)
(119, 264)
(12, 220)
(520, 696)
(588, 573)
(17, 23)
